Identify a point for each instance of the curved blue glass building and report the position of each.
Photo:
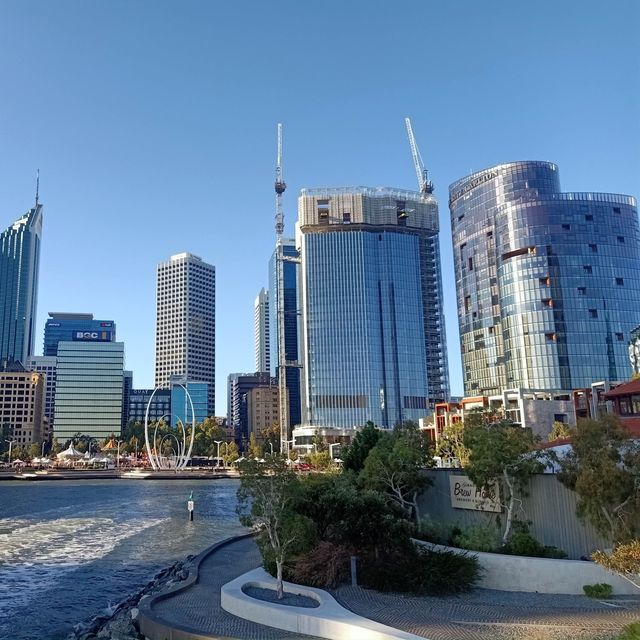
(374, 341)
(548, 283)
(19, 269)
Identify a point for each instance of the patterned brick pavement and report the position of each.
(480, 615)
(495, 615)
(198, 608)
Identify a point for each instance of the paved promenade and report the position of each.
(480, 615)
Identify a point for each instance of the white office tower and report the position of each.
(186, 322)
(261, 331)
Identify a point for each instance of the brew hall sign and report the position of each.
(465, 495)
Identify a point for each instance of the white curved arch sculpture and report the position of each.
(155, 457)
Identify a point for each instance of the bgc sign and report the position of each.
(92, 336)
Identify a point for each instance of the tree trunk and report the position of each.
(507, 529)
(415, 507)
(279, 585)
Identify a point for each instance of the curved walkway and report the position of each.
(485, 614)
(193, 610)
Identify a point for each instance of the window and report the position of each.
(545, 281)
(551, 337)
(621, 239)
(566, 227)
(547, 302)
(619, 337)
(582, 291)
(467, 304)
(620, 282)
(616, 209)
(588, 217)
(593, 313)
(594, 248)
(346, 217)
(470, 264)
(588, 268)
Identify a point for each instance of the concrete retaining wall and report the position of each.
(540, 575)
(329, 620)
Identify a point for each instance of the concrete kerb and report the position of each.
(152, 626)
(328, 620)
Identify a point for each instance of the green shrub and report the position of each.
(630, 632)
(326, 566)
(480, 537)
(553, 552)
(599, 590)
(435, 531)
(420, 571)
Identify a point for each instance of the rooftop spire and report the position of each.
(37, 186)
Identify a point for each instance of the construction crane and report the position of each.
(425, 185)
(280, 186)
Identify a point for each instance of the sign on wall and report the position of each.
(94, 336)
(465, 495)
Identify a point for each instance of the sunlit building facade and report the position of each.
(19, 269)
(548, 283)
(374, 339)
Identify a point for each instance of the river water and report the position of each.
(69, 549)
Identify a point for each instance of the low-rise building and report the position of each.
(22, 395)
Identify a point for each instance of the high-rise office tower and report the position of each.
(75, 326)
(239, 387)
(186, 322)
(19, 267)
(372, 306)
(89, 389)
(548, 283)
(283, 296)
(262, 338)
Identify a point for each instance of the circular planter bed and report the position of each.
(289, 599)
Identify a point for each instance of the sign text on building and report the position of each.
(465, 495)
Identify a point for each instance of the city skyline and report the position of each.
(146, 140)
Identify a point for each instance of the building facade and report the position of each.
(180, 405)
(47, 365)
(22, 400)
(262, 409)
(185, 322)
(374, 338)
(19, 269)
(89, 389)
(139, 399)
(284, 294)
(239, 386)
(75, 326)
(548, 283)
(261, 333)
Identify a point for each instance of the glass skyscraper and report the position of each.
(372, 306)
(75, 326)
(19, 267)
(548, 283)
(290, 304)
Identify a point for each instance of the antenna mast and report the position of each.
(37, 186)
(425, 185)
(280, 187)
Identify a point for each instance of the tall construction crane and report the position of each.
(280, 187)
(283, 364)
(424, 184)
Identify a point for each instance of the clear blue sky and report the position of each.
(153, 125)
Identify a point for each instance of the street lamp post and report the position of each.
(218, 442)
(10, 445)
(334, 444)
(42, 449)
(226, 453)
(271, 445)
(118, 455)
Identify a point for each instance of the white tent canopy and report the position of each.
(70, 453)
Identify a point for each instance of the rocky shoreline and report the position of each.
(121, 622)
